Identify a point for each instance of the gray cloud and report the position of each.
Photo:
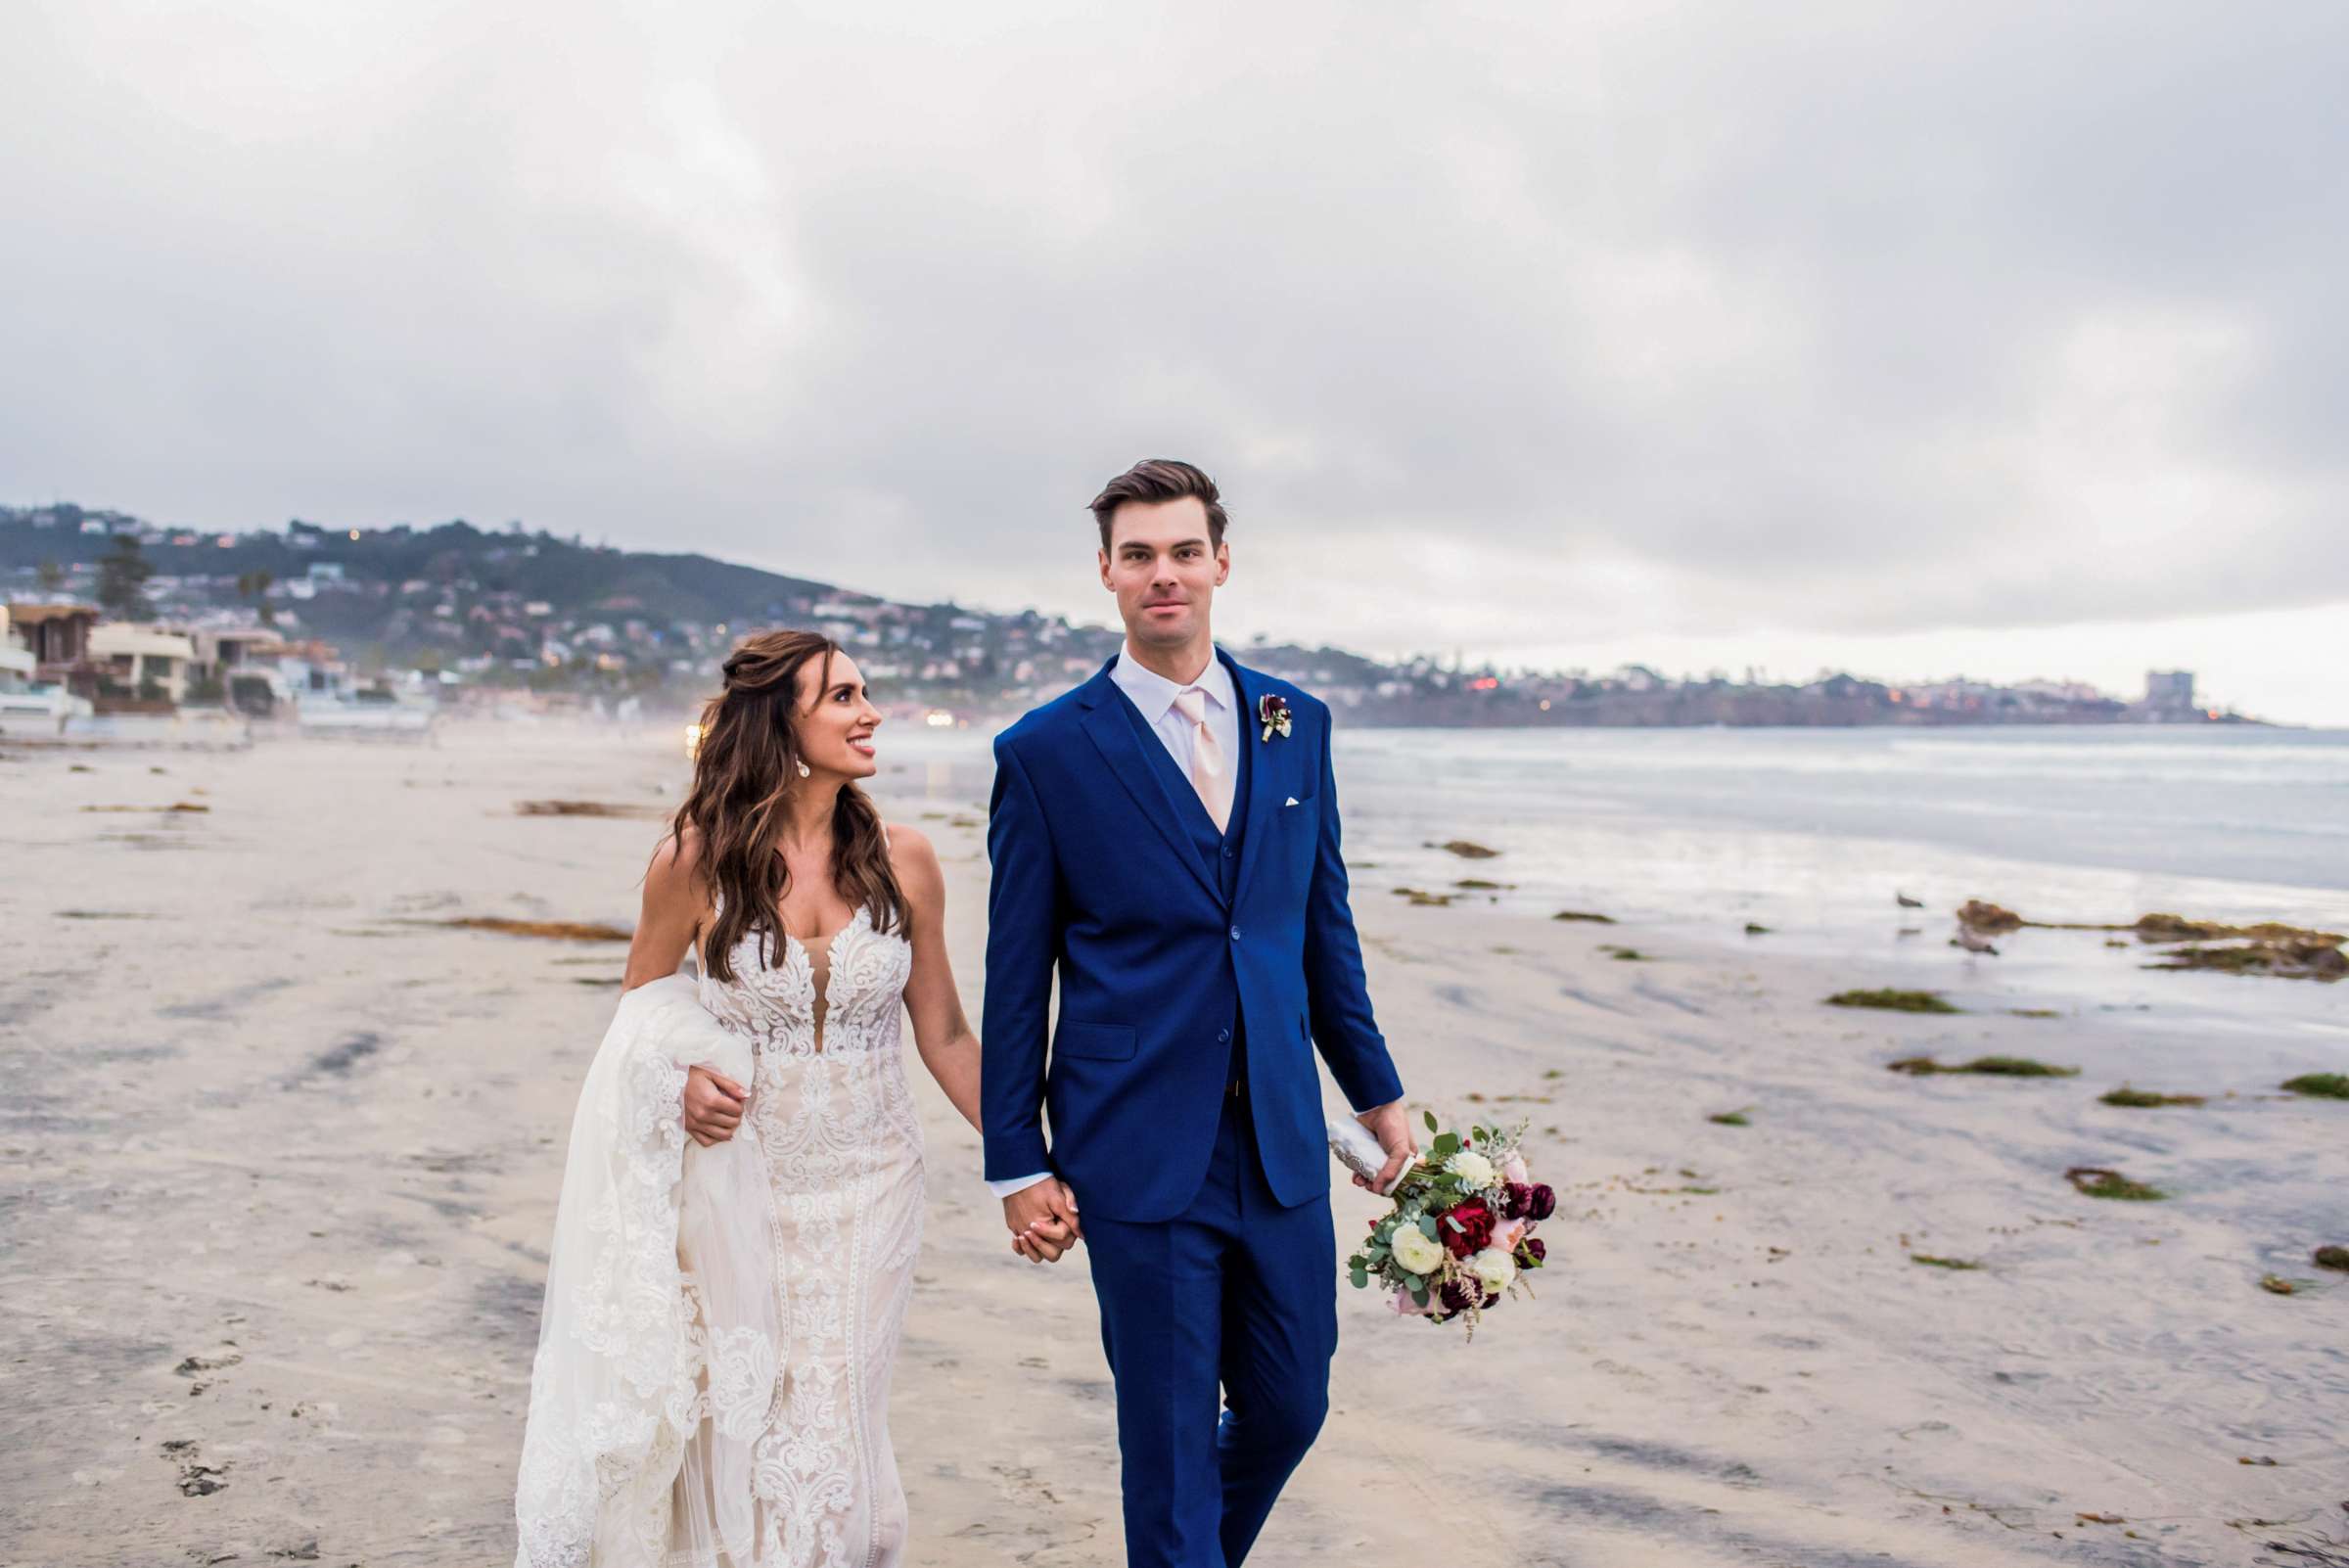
(1502, 327)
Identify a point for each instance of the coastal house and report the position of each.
(144, 657)
(224, 650)
(29, 700)
(312, 666)
(17, 663)
(58, 635)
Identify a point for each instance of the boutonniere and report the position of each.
(1273, 713)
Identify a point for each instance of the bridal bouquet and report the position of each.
(1460, 1236)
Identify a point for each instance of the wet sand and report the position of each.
(280, 1152)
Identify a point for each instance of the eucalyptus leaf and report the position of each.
(1431, 1121)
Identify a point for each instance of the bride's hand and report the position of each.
(712, 1106)
(1044, 1241)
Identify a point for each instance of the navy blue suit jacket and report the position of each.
(1096, 880)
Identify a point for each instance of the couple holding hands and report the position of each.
(742, 1200)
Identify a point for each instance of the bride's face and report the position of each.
(837, 719)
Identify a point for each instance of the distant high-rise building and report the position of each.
(2172, 689)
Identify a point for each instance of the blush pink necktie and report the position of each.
(1210, 774)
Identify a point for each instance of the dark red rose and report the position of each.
(1545, 1203)
(1457, 1296)
(1516, 1200)
(1466, 1229)
(1531, 1253)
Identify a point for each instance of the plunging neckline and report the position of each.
(819, 1004)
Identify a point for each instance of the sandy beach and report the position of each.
(281, 1151)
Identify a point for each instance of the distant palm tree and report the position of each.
(256, 585)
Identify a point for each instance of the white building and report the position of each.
(17, 663)
(135, 653)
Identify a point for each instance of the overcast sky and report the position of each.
(2007, 339)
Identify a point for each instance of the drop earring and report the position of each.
(802, 768)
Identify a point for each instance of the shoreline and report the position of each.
(281, 1157)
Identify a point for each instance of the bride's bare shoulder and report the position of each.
(912, 856)
(675, 870)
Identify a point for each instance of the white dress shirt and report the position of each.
(1154, 695)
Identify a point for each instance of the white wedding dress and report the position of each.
(712, 1384)
(808, 1479)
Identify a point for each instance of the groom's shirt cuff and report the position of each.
(1005, 1188)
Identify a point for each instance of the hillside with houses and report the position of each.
(109, 613)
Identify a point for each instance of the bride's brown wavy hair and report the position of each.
(743, 774)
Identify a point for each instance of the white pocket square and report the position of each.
(1291, 800)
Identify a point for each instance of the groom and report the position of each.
(1166, 837)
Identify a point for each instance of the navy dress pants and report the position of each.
(1219, 1325)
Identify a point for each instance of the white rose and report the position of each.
(1493, 1269)
(1415, 1252)
(1472, 1168)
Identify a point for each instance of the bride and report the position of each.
(712, 1383)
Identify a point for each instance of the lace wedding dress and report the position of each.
(712, 1383)
(792, 1468)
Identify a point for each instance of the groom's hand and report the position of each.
(1393, 1129)
(1043, 1220)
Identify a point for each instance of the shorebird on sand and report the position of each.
(1972, 940)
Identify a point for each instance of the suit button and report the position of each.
(1236, 933)
(1226, 851)
(1223, 1035)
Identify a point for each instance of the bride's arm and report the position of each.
(672, 912)
(674, 904)
(941, 1032)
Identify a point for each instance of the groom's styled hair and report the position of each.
(1160, 478)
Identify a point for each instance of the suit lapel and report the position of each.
(1259, 770)
(1112, 733)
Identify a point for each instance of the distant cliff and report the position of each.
(514, 609)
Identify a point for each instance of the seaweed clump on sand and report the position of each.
(1899, 1001)
(1992, 1066)
(2331, 1257)
(1584, 914)
(553, 930)
(2095, 1182)
(2144, 1100)
(2287, 959)
(1730, 1118)
(2160, 927)
(2324, 1085)
(1422, 897)
(587, 809)
(1465, 849)
(1930, 1262)
(2263, 947)
(1629, 955)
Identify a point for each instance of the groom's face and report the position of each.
(1164, 569)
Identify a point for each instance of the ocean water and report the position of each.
(1814, 834)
